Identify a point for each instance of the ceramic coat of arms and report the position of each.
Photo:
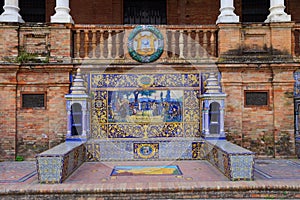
(145, 43)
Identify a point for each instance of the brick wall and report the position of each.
(61, 44)
(283, 85)
(8, 42)
(292, 8)
(28, 131)
(41, 128)
(266, 130)
(192, 12)
(7, 112)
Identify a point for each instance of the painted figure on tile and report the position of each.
(145, 106)
(124, 109)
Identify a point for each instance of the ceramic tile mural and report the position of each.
(163, 149)
(145, 105)
(198, 151)
(144, 80)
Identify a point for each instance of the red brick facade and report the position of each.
(267, 130)
(28, 131)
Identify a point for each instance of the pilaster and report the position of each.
(229, 38)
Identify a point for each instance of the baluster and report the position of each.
(94, 43)
(173, 43)
(298, 44)
(181, 44)
(197, 55)
(78, 41)
(212, 43)
(205, 43)
(152, 17)
(167, 47)
(109, 45)
(122, 42)
(118, 34)
(86, 43)
(101, 43)
(189, 44)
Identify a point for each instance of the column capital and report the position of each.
(11, 12)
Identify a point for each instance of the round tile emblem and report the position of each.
(146, 151)
(145, 81)
(145, 43)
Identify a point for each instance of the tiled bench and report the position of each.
(56, 164)
(234, 161)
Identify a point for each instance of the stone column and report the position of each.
(11, 12)
(69, 123)
(84, 120)
(277, 13)
(227, 15)
(62, 12)
(205, 115)
(222, 116)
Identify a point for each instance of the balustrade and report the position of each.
(109, 43)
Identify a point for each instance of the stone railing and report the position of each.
(109, 43)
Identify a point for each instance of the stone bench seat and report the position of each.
(233, 161)
(56, 164)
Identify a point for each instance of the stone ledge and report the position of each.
(182, 190)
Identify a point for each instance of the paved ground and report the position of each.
(93, 176)
(96, 172)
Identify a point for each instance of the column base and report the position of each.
(213, 137)
(11, 18)
(66, 19)
(76, 139)
(228, 19)
(278, 18)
